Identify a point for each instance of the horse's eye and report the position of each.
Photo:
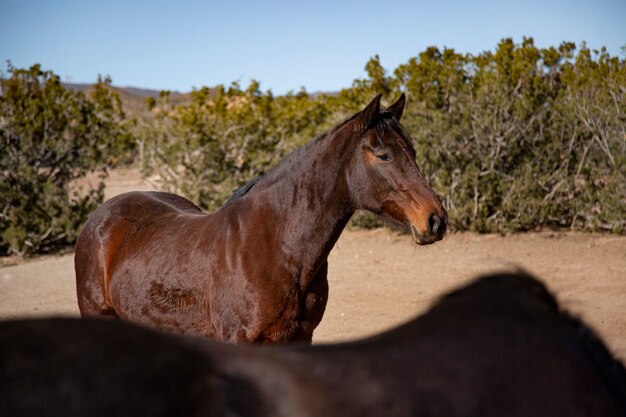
(384, 157)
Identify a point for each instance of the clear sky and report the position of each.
(321, 45)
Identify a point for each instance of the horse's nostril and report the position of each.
(443, 226)
(436, 224)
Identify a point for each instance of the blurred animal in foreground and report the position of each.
(497, 347)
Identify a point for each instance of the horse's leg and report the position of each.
(314, 305)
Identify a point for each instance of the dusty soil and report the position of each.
(379, 279)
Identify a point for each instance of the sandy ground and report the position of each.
(379, 279)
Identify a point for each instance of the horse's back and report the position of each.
(136, 205)
(106, 229)
(500, 346)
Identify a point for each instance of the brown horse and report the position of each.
(499, 347)
(254, 270)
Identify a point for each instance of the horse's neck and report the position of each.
(309, 196)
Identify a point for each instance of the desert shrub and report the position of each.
(590, 180)
(523, 137)
(225, 137)
(512, 140)
(50, 137)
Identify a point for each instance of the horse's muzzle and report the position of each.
(437, 226)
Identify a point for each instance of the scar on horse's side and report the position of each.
(171, 299)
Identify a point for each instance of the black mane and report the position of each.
(241, 191)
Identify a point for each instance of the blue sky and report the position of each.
(321, 45)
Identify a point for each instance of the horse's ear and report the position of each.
(366, 115)
(397, 108)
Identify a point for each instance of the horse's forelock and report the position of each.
(386, 122)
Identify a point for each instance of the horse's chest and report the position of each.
(298, 318)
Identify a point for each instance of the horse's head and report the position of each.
(384, 177)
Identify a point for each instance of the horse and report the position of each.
(255, 270)
(499, 346)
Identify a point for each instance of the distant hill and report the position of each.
(133, 98)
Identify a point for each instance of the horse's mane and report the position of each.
(383, 120)
(241, 191)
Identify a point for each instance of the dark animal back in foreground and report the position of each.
(498, 347)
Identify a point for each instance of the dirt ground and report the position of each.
(379, 279)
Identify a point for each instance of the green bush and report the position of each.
(523, 137)
(226, 137)
(50, 137)
(512, 140)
